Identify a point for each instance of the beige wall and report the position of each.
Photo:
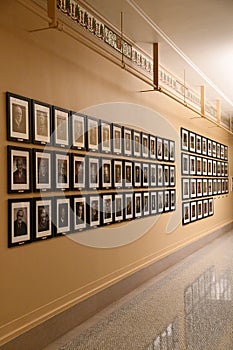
(41, 279)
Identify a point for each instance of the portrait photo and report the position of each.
(160, 176)
(43, 218)
(146, 204)
(93, 134)
(159, 148)
(166, 200)
(79, 172)
(128, 174)
(116, 139)
(128, 206)
(192, 165)
(193, 209)
(214, 149)
(211, 206)
(209, 144)
(171, 151)
(41, 114)
(160, 196)
(127, 137)
(165, 149)
(192, 142)
(20, 212)
(204, 146)
(205, 208)
(185, 188)
(62, 171)
(105, 131)
(118, 207)
(153, 202)
(78, 131)
(193, 188)
(93, 171)
(166, 175)
(186, 213)
(62, 215)
(137, 174)
(94, 211)
(153, 175)
(198, 144)
(118, 172)
(137, 204)
(184, 139)
(199, 165)
(172, 200)
(19, 169)
(106, 173)
(152, 140)
(61, 127)
(42, 170)
(136, 143)
(199, 209)
(172, 171)
(79, 209)
(145, 145)
(107, 209)
(145, 174)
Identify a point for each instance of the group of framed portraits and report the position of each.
(42, 218)
(197, 210)
(203, 187)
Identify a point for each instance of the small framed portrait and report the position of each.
(137, 143)
(146, 204)
(93, 134)
(160, 176)
(78, 127)
(193, 188)
(222, 169)
(62, 171)
(94, 211)
(214, 149)
(43, 227)
(153, 202)
(61, 127)
(198, 144)
(204, 167)
(166, 175)
(20, 214)
(118, 207)
(78, 172)
(117, 173)
(145, 145)
(166, 200)
(152, 140)
(199, 209)
(42, 122)
(127, 141)
(159, 147)
(219, 168)
(128, 174)
(227, 185)
(62, 216)
(204, 187)
(153, 175)
(199, 187)
(225, 152)
(166, 150)
(79, 213)
(214, 168)
(19, 169)
(192, 142)
(42, 170)
(219, 186)
(205, 208)
(105, 136)
(211, 206)
(137, 204)
(18, 118)
(209, 167)
(107, 209)
(93, 172)
(186, 213)
(222, 152)
(137, 174)
(128, 202)
(218, 150)
(192, 165)
(145, 174)
(160, 196)
(215, 186)
(184, 139)
(184, 164)
(116, 139)
(171, 151)
(172, 200)
(210, 187)
(199, 165)
(185, 189)
(209, 143)
(204, 146)
(106, 173)
(225, 169)
(223, 186)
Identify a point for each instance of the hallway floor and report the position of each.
(189, 306)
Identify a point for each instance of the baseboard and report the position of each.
(45, 333)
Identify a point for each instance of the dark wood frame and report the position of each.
(42, 181)
(44, 110)
(78, 121)
(61, 114)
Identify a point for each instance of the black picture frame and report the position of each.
(145, 145)
(184, 139)
(226, 152)
(146, 203)
(62, 171)
(210, 187)
(105, 137)
(128, 206)
(214, 168)
(172, 150)
(145, 174)
(199, 209)
(153, 175)
(152, 142)
(172, 200)
(204, 187)
(117, 173)
(153, 203)
(137, 205)
(211, 207)
(159, 148)
(136, 143)
(79, 217)
(184, 164)
(107, 209)
(193, 188)
(160, 204)
(94, 211)
(106, 173)
(118, 207)
(166, 150)
(185, 188)
(19, 169)
(160, 175)
(62, 214)
(209, 143)
(199, 166)
(93, 137)
(127, 141)
(43, 214)
(186, 213)
(128, 174)
(192, 142)
(172, 175)
(93, 173)
(41, 123)
(137, 174)
(222, 152)
(61, 127)
(42, 174)
(214, 149)
(209, 167)
(166, 175)
(166, 200)
(18, 113)
(192, 165)
(198, 144)
(78, 129)
(205, 208)
(204, 146)
(117, 139)
(78, 172)
(193, 211)
(199, 187)
(218, 150)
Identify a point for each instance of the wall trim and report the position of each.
(53, 328)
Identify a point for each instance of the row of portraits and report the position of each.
(202, 187)
(197, 210)
(51, 170)
(195, 143)
(42, 218)
(33, 121)
(202, 166)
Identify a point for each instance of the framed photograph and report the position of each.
(117, 139)
(79, 213)
(118, 207)
(166, 150)
(78, 172)
(225, 169)
(107, 210)
(215, 186)
(184, 139)
(127, 141)
(193, 210)
(185, 189)
(19, 214)
(204, 187)
(219, 170)
(192, 165)
(93, 172)
(106, 173)
(214, 168)
(152, 140)
(222, 169)
(218, 150)
(160, 196)
(199, 209)
(92, 134)
(210, 187)
(18, 111)
(193, 188)
(171, 151)
(184, 164)
(166, 175)
(166, 200)
(209, 143)
(128, 174)
(42, 170)
(42, 122)
(214, 149)
(61, 127)
(159, 147)
(62, 215)
(223, 186)
(209, 167)
(199, 187)
(117, 173)
(78, 131)
(145, 174)
(199, 165)
(222, 152)
(192, 142)
(160, 176)
(225, 152)
(136, 143)
(43, 226)
(219, 186)
(204, 146)
(204, 166)
(146, 204)
(137, 204)
(186, 213)
(105, 136)
(211, 206)
(145, 145)
(172, 200)
(198, 144)
(128, 206)
(153, 175)
(19, 169)
(205, 208)
(62, 171)
(137, 174)
(153, 203)
(94, 211)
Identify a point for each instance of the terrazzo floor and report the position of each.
(189, 306)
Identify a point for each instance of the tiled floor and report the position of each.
(189, 306)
